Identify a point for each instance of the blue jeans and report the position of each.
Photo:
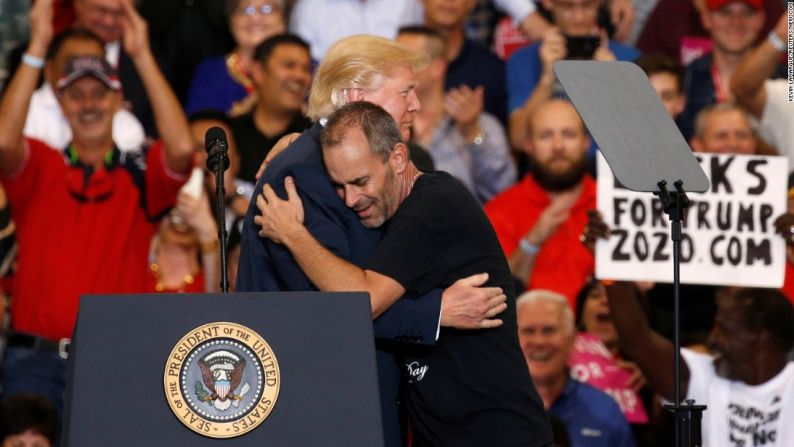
(29, 371)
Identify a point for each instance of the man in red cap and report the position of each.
(734, 27)
(85, 215)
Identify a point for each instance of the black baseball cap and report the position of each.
(82, 66)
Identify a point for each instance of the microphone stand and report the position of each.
(220, 212)
(218, 163)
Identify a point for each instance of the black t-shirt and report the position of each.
(473, 388)
(253, 145)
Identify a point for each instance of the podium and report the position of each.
(310, 379)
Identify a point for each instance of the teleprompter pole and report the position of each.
(687, 415)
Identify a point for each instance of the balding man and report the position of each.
(724, 128)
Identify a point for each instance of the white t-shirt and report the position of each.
(777, 121)
(740, 415)
(323, 22)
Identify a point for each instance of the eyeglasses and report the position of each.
(252, 10)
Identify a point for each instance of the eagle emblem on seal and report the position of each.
(221, 372)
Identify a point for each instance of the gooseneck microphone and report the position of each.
(217, 163)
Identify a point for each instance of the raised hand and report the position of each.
(603, 53)
(552, 217)
(196, 212)
(781, 27)
(552, 49)
(136, 31)
(41, 30)
(464, 105)
(784, 226)
(621, 13)
(595, 229)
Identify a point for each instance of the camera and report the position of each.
(581, 47)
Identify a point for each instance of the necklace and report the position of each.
(416, 176)
(187, 280)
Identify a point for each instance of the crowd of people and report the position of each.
(468, 189)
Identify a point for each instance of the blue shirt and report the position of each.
(486, 169)
(525, 67)
(213, 88)
(592, 417)
(699, 91)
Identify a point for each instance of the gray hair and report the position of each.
(550, 297)
(721, 107)
(377, 125)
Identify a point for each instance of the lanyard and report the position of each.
(719, 86)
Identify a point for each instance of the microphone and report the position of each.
(217, 149)
(217, 162)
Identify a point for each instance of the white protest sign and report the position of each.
(728, 232)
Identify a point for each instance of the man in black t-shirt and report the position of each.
(282, 74)
(473, 388)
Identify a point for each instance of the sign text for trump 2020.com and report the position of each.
(728, 232)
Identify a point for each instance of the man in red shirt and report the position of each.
(85, 213)
(539, 220)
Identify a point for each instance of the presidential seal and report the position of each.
(222, 380)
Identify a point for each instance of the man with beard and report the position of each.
(539, 220)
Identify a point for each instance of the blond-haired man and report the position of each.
(358, 68)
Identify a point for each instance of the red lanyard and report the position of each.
(719, 87)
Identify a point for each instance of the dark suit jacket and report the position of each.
(266, 266)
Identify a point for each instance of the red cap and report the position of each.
(717, 4)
